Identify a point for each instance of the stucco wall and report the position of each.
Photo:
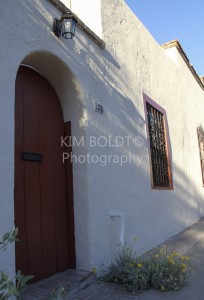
(28, 39)
(116, 77)
(137, 64)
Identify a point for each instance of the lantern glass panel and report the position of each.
(68, 28)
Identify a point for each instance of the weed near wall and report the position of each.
(160, 269)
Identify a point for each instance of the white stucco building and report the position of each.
(136, 166)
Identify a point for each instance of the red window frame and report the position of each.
(200, 133)
(169, 183)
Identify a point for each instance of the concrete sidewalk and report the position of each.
(190, 242)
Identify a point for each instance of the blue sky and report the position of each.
(181, 20)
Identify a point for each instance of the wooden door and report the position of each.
(43, 184)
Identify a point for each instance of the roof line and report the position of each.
(175, 43)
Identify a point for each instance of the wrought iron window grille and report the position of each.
(158, 148)
(200, 133)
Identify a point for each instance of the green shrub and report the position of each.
(160, 269)
(169, 270)
(59, 293)
(8, 238)
(129, 270)
(11, 288)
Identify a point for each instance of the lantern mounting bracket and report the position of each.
(57, 27)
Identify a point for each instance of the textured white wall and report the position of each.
(137, 64)
(64, 63)
(115, 77)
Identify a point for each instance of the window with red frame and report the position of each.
(200, 132)
(158, 145)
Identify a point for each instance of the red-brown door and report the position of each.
(43, 184)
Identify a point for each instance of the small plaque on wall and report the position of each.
(98, 108)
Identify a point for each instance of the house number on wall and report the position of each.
(99, 108)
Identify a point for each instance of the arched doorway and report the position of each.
(43, 184)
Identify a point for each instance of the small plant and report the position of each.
(59, 293)
(11, 288)
(94, 271)
(8, 238)
(169, 270)
(161, 269)
(129, 270)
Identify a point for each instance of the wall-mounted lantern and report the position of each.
(65, 26)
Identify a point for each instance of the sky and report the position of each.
(169, 20)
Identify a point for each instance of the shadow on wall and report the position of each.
(62, 80)
(152, 215)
